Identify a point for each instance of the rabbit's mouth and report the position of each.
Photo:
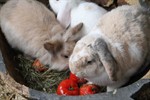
(80, 74)
(66, 67)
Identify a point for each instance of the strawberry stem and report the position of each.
(71, 88)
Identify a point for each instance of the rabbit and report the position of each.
(62, 9)
(72, 12)
(115, 48)
(33, 29)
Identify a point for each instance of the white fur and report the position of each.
(125, 30)
(134, 51)
(119, 46)
(57, 5)
(80, 11)
(88, 13)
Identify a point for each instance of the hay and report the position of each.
(44, 81)
(6, 93)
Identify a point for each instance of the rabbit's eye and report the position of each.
(65, 56)
(89, 62)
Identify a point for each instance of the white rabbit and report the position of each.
(32, 28)
(115, 49)
(63, 10)
(75, 11)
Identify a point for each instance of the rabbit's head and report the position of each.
(93, 62)
(61, 47)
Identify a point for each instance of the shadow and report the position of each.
(139, 74)
(8, 55)
(143, 93)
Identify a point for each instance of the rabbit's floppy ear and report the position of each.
(106, 58)
(64, 15)
(53, 46)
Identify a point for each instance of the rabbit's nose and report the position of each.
(71, 67)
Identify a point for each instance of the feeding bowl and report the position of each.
(135, 89)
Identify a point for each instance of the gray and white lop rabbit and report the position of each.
(115, 49)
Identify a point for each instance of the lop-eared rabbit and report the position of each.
(33, 29)
(115, 49)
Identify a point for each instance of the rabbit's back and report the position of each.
(128, 34)
(88, 13)
(26, 24)
(127, 22)
(26, 14)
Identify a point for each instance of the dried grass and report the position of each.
(6, 93)
(44, 81)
